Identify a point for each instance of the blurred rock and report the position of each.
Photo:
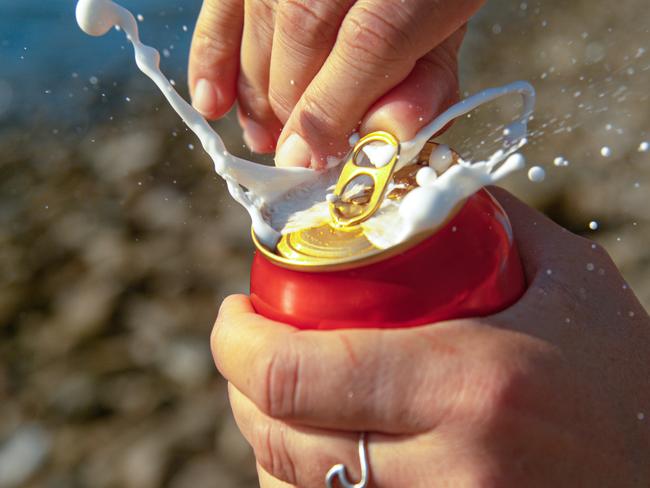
(75, 396)
(143, 464)
(121, 156)
(23, 454)
(187, 361)
(231, 445)
(205, 472)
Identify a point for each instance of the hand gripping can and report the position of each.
(332, 276)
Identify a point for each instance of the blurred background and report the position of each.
(118, 243)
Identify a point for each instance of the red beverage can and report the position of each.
(332, 277)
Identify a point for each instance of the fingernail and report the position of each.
(294, 151)
(257, 138)
(206, 97)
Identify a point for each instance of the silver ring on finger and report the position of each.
(340, 472)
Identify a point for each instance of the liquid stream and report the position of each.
(281, 200)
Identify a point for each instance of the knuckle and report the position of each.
(481, 474)
(253, 101)
(262, 14)
(280, 103)
(261, 6)
(211, 47)
(371, 38)
(271, 452)
(282, 377)
(318, 118)
(213, 37)
(497, 389)
(444, 62)
(308, 24)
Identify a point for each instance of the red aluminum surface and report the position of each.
(470, 267)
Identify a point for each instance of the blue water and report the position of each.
(45, 58)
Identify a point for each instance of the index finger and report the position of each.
(345, 379)
(214, 56)
(377, 47)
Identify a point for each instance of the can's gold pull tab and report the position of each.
(349, 208)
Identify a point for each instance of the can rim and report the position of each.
(352, 263)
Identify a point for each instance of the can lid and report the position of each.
(362, 186)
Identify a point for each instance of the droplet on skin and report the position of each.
(605, 152)
(644, 146)
(536, 174)
(590, 266)
(593, 225)
(640, 416)
(190, 147)
(353, 139)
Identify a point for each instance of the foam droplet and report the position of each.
(379, 154)
(96, 17)
(426, 176)
(536, 174)
(605, 152)
(353, 139)
(440, 158)
(516, 161)
(644, 146)
(593, 225)
(560, 162)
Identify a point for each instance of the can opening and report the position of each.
(367, 181)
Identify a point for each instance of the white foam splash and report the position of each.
(96, 18)
(280, 192)
(536, 174)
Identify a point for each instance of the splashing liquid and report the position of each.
(266, 191)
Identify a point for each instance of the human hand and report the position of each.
(554, 391)
(306, 73)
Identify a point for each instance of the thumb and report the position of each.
(430, 88)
